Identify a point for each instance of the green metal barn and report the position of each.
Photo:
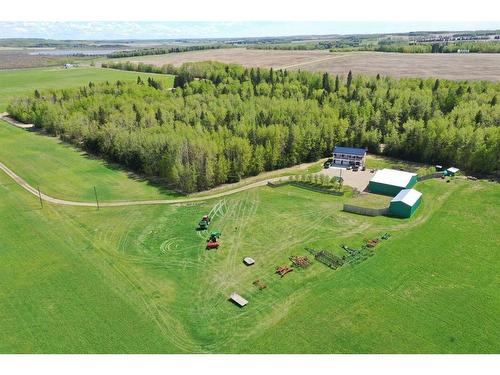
(391, 182)
(405, 203)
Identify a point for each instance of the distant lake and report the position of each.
(73, 52)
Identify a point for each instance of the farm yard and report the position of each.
(138, 278)
(449, 66)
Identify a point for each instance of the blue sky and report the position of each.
(169, 30)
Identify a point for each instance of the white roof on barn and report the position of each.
(453, 170)
(407, 196)
(393, 177)
(238, 299)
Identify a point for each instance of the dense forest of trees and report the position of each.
(162, 50)
(223, 122)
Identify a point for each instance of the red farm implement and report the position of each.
(213, 245)
(283, 270)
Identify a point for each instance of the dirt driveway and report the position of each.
(358, 180)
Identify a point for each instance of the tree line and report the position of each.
(162, 50)
(224, 122)
(388, 46)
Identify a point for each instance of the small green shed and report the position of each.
(391, 181)
(452, 171)
(405, 203)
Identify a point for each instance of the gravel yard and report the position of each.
(358, 180)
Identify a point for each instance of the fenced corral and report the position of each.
(365, 210)
(429, 176)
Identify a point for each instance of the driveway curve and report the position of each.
(26, 186)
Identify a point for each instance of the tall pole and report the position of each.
(96, 200)
(40, 197)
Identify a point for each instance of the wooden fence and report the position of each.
(429, 176)
(365, 210)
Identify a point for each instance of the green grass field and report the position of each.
(137, 279)
(25, 81)
(371, 200)
(62, 171)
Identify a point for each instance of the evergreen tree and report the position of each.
(436, 85)
(479, 117)
(101, 116)
(349, 79)
(493, 101)
(159, 116)
(326, 82)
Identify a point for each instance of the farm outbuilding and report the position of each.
(391, 182)
(405, 203)
(452, 171)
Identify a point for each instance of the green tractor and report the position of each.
(203, 224)
(214, 236)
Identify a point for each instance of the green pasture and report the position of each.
(62, 171)
(18, 82)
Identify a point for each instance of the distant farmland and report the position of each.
(449, 66)
(23, 81)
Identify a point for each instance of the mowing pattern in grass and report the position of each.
(138, 279)
(62, 171)
(25, 81)
(58, 291)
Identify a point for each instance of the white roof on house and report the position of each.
(238, 299)
(393, 177)
(407, 196)
(453, 170)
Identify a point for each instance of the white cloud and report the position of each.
(172, 30)
(243, 10)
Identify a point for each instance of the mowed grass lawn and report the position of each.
(57, 292)
(137, 279)
(62, 171)
(24, 81)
